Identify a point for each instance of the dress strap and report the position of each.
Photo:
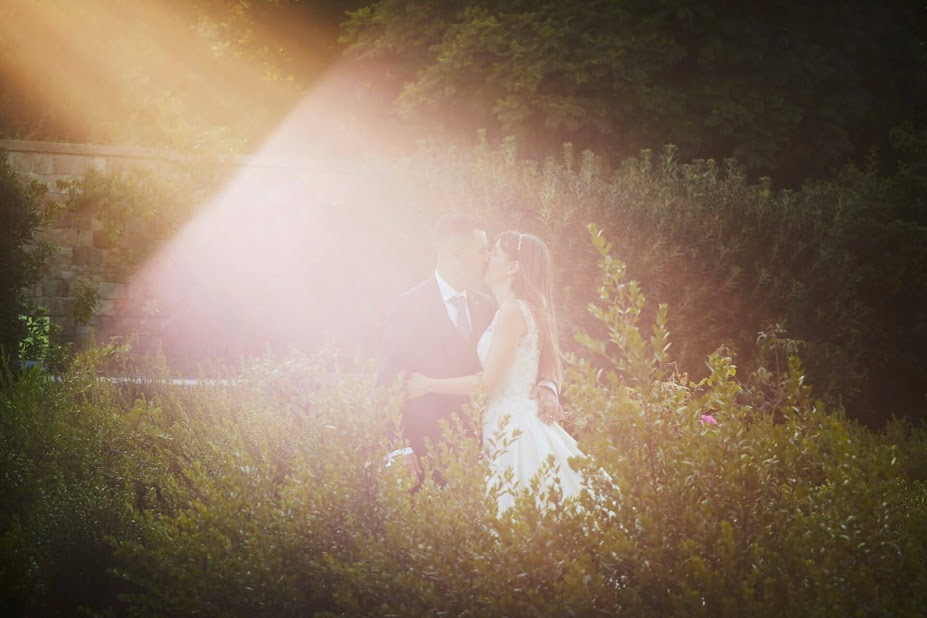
(529, 319)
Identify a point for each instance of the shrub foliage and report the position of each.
(22, 213)
(269, 495)
(838, 265)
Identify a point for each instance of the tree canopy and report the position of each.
(786, 87)
(789, 89)
(164, 73)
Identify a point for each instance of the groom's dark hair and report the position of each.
(453, 227)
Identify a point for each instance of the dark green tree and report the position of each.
(21, 215)
(196, 75)
(795, 88)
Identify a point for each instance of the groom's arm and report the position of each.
(509, 330)
(392, 361)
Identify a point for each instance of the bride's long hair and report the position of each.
(534, 283)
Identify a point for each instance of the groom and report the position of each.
(434, 328)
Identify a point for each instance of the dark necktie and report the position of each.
(463, 320)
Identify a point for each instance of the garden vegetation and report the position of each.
(759, 414)
(270, 496)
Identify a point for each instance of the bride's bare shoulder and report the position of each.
(511, 318)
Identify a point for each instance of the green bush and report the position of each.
(66, 484)
(791, 511)
(138, 207)
(268, 495)
(838, 264)
(22, 213)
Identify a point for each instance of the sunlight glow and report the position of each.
(302, 247)
(311, 238)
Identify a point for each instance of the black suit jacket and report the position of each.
(419, 337)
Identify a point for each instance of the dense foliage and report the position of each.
(784, 87)
(22, 213)
(838, 265)
(789, 89)
(140, 207)
(196, 75)
(270, 496)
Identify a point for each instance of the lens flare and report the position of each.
(315, 232)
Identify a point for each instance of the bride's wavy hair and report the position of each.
(534, 283)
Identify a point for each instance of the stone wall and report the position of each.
(352, 232)
(82, 251)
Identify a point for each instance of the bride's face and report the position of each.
(500, 267)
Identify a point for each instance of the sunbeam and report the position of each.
(306, 243)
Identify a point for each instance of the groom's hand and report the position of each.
(549, 408)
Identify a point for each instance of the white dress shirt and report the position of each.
(447, 294)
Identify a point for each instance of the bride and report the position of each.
(519, 347)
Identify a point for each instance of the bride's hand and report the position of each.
(549, 409)
(417, 385)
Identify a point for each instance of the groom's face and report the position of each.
(473, 256)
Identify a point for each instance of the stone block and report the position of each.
(91, 272)
(69, 164)
(55, 288)
(136, 227)
(110, 290)
(111, 261)
(61, 236)
(116, 262)
(61, 258)
(84, 238)
(83, 222)
(96, 258)
(101, 239)
(65, 220)
(20, 162)
(42, 164)
(103, 323)
(82, 256)
(61, 307)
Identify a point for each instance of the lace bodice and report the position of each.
(522, 375)
(518, 445)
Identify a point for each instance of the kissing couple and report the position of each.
(451, 341)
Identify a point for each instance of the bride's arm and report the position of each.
(510, 328)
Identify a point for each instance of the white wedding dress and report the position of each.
(511, 416)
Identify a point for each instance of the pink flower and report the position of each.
(708, 419)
